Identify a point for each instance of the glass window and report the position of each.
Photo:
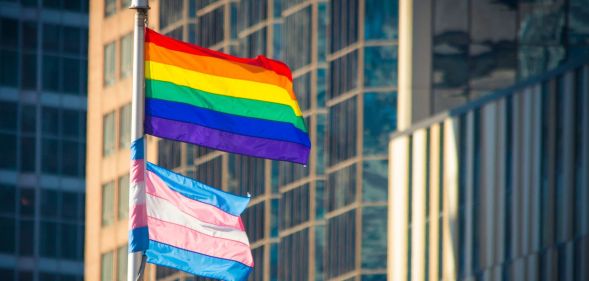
(171, 11)
(374, 238)
(380, 66)
(9, 115)
(27, 202)
(253, 219)
(122, 263)
(106, 267)
(9, 32)
(302, 89)
(71, 38)
(70, 81)
(51, 67)
(297, 38)
(7, 200)
(109, 64)
(50, 156)
(8, 151)
(51, 37)
(108, 203)
(69, 241)
(125, 4)
(319, 145)
(252, 12)
(341, 188)
(27, 154)
(578, 32)
(110, 7)
(70, 123)
(375, 181)
(343, 73)
(341, 133)
(70, 158)
(294, 207)
(49, 203)
(9, 68)
(7, 235)
(381, 19)
(29, 38)
(294, 266)
(344, 23)
(254, 44)
(108, 144)
(211, 27)
(125, 126)
(380, 119)
(28, 74)
(341, 240)
(126, 55)
(69, 205)
(27, 233)
(6, 274)
(123, 205)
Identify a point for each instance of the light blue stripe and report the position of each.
(196, 190)
(196, 263)
(138, 239)
(137, 149)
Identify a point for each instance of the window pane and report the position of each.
(122, 263)
(341, 242)
(28, 119)
(126, 55)
(69, 205)
(381, 19)
(28, 74)
(27, 234)
(343, 73)
(297, 38)
(578, 24)
(9, 32)
(71, 38)
(51, 37)
(50, 121)
(7, 235)
(50, 156)
(51, 73)
(106, 265)
(70, 81)
(29, 39)
(8, 68)
(49, 203)
(27, 154)
(8, 151)
(374, 181)
(8, 116)
(27, 202)
(341, 133)
(380, 119)
(107, 204)
(69, 241)
(341, 188)
(123, 197)
(48, 236)
(374, 238)
(70, 123)
(344, 23)
(380, 66)
(7, 200)
(110, 7)
(109, 64)
(108, 134)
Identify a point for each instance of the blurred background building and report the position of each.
(326, 221)
(43, 51)
(489, 170)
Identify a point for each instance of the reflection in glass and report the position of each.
(374, 237)
(374, 181)
(341, 188)
(380, 66)
(380, 119)
(381, 19)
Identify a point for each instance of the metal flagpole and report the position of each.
(134, 262)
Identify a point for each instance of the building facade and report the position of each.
(321, 222)
(494, 186)
(43, 57)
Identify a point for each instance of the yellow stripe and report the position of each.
(220, 85)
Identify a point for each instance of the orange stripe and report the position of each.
(217, 67)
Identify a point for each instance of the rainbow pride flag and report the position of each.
(208, 98)
(193, 227)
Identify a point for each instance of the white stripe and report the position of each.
(165, 211)
(136, 194)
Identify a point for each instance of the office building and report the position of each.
(43, 50)
(491, 184)
(321, 222)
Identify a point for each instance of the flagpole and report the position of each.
(134, 262)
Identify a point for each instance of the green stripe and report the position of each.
(237, 106)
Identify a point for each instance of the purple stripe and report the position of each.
(220, 140)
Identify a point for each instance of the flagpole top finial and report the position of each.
(139, 4)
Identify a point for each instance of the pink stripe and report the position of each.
(201, 211)
(137, 169)
(137, 216)
(189, 239)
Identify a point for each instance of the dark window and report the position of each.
(294, 256)
(341, 188)
(375, 181)
(211, 27)
(380, 66)
(26, 237)
(253, 218)
(342, 131)
(7, 236)
(381, 19)
(341, 244)
(110, 7)
(344, 23)
(374, 238)
(247, 175)
(380, 119)
(294, 207)
(297, 38)
(343, 73)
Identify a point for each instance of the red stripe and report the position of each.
(176, 45)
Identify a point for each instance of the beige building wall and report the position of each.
(102, 100)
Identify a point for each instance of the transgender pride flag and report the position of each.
(190, 226)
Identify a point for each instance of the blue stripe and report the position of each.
(196, 263)
(138, 239)
(199, 191)
(246, 126)
(137, 149)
